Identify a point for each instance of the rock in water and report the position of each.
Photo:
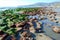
(32, 30)
(56, 29)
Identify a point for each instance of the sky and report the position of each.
(15, 3)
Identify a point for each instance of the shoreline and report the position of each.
(42, 36)
(58, 18)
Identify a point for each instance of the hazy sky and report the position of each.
(12, 3)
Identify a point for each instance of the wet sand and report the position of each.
(42, 36)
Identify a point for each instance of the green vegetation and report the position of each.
(11, 16)
(8, 18)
